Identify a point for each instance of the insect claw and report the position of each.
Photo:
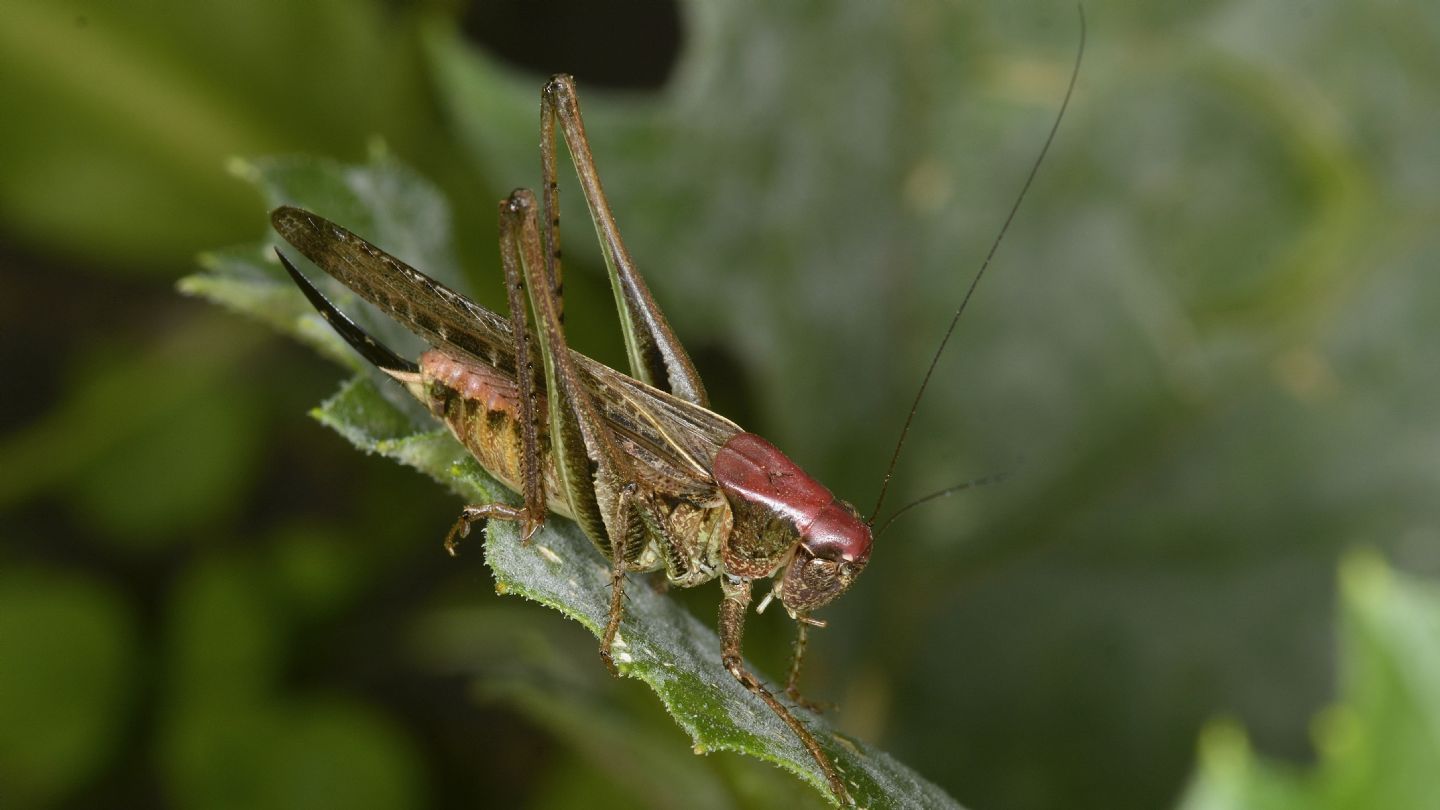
(459, 530)
(764, 603)
(530, 527)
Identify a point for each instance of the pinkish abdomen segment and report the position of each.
(481, 406)
(472, 380)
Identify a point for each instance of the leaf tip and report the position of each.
(242, 168)
(1337, 731)
(1364, 575)
(1224, 746)
(191, 285)
(207, 260)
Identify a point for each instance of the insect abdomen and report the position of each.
(481, 406)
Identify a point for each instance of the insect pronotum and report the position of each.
(654, 478)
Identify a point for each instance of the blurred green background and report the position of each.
(1205, 354)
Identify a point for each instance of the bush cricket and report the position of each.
(654, 478)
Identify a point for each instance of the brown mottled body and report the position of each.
(481, 406)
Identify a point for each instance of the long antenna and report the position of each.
(993, 478)
(950, 330)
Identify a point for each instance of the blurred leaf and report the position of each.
(231, 741)
(227, 633)
(69, 651)
(1379, 747)
(136, 415)
(216, 446)
(303, 754)
(131, 112)
(319, 570)
(664, 646)
(323, 738)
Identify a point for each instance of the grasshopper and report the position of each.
(654, 478)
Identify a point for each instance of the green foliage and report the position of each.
(132, 110)
(1379, 745)
(661, 643)
(224, 726)
(46, 745)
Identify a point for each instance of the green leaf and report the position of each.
(1379, 746)
(106, 448)
(660, 643)
(129, 176)
(519, 657)
(230, 739)
(71, 653)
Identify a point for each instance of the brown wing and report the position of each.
(674, 440)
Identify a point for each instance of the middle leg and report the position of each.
(595, 473)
